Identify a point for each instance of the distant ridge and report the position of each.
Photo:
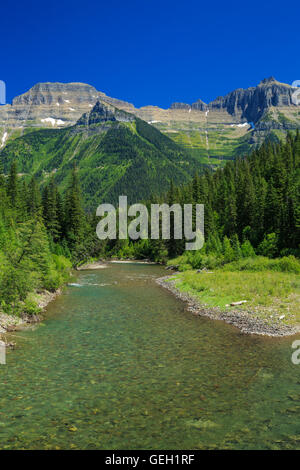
(214, 132)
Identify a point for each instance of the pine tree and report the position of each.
(74, 216)
(50, 211)
(34, 200)
(12, 184)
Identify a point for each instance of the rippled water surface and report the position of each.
(120, 364)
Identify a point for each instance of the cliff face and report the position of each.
(250, 104)
(199, 105)
(53, 105)
(52, 93)
(180, 106)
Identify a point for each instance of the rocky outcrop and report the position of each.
(199, 105)
(56, 93)
(101, 113)
(180, 106)
(53, 105)
(250, 104)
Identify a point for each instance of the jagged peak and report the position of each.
(103, 112)
(271, 81)
(199, 105)
(179, 105)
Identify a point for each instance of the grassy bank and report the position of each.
(270, 287)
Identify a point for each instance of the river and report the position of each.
(119, 363)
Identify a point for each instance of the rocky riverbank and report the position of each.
(92, 265)
(101, 264)
(10, 323)
(246, 320)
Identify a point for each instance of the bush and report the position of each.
(62, 264)
(31, 307)
(247, 250)
(228, 251)
(260, 263)
(269, 246)
(197, 260)
(184, 267)
(53, 280)
(14, 287)
(288, 264)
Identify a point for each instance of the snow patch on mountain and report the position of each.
(57, 122)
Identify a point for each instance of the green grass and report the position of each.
(271, 287)
(269, 294)
(224, 142)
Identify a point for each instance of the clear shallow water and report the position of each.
(120, 364)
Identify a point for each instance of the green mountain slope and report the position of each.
(115, 152)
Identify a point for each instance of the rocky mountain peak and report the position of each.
(252, 103)
(53, 105)
(57, 93)
(178, 105)
(268, 81)
(103, 112)
(199, 105)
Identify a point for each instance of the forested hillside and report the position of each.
(115, 153)
(252, 205)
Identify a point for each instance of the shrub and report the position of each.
(14, 287)
(260, 263)
(228, 251)
(236, 247)
(53, 280)
(184, 267)
(288, 264)
(31, 307)
(247, 249)
(269, 246)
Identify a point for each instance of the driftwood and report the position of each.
(204, 271)
(233, 304)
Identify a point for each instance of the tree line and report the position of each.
(42, 234)
(252, 205)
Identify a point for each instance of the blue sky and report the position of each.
(149, 52)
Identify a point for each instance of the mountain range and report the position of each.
(118, 147)
(115, 153)
(215, 131)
